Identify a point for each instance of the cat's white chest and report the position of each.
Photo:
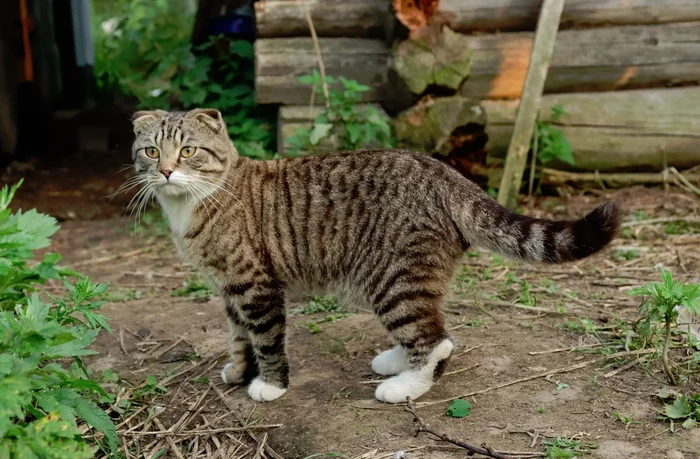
(179, 213)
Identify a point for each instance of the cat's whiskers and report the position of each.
(128, 185)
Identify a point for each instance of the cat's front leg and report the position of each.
(261, 311)
(243, 366)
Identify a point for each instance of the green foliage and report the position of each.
(682, 408)
(41, 400)
(143, 52)
(195, 286)
(354, 127)
(327, 303)
(459, 408)
(663, 298)
(551, 142)
(564, 448)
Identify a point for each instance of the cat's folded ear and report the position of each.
(209, 116)
(144, 118)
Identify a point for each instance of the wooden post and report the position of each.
(542, 49)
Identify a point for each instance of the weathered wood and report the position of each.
(613, 131)
(603, 59)
(526, 115)
(291, 118)
(279, 62)
(332, 18)
(517, 15)
(429, 125)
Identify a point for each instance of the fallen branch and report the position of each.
(653, 221)
(557, 177)
(542, 375)
(424, 427)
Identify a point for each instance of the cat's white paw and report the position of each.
(260, 391)
(391, 362)
(232, 374)
(408, 384)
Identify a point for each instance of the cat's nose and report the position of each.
(166, 172)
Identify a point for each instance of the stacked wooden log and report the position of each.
(626, 72)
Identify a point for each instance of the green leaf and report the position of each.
(459, 408)
(689, 423)
(306, 79)
(319, 131)
(97, 418)
(679, 409)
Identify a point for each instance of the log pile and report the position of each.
(450, 72)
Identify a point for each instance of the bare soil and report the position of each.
(330, 407)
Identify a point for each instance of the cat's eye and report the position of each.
(187, 152)
(152, 152)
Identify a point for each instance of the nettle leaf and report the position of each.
(306, 79)
(459, 408)
(689, 423)
(319, 131)
(98, 419)
(679, 409)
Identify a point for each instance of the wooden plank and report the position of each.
(526, 115)
(290, 118)
(604, 59)
(519, 15)
(332, 18)
(279, 62)
(609, 131)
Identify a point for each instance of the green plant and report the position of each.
(626, 420)
(549, 143)
(41, 400)
(564, 448)
(625, 255)
(664, 298)
(195, 286)
(685, 409)
(327, 303)
(342, 118)
(143, 52)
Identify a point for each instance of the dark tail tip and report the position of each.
(595, 231)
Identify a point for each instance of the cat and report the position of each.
(382, 228)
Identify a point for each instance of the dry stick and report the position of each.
(511, 383)
(424, 427)
(268, 450)
(171, 442)
(616, 371)
(541, 375)
(653, 221)
(95, 261)
(121, 342)
(321, 66)
(685, 181)
(207, 431)
(557, 177)
(566, 349)
(542, 49)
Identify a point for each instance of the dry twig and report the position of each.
(424, 427)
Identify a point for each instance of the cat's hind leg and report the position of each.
(414, 320)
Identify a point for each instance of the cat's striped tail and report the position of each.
(485, 223)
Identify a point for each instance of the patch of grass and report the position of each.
(195, 286)
(328, 303)
(625, 255)
(626, 420)
(681, 227)
(122, 294)
(564, 448)
(153, 223)
(475, 322)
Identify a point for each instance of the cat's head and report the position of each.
(181, 153)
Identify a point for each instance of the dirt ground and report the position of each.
(179, 336)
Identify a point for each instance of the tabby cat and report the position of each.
(383, 228)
